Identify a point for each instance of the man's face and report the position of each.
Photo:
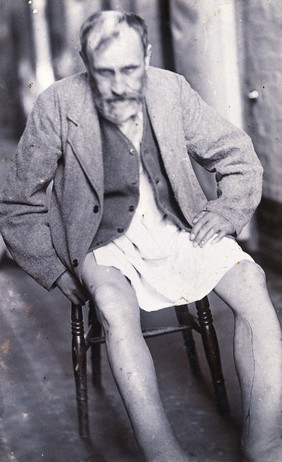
(118, 69)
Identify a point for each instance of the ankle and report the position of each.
(263, 451)
(171, 455)
(167, 450)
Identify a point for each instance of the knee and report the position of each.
(115, 303)
(250, 273)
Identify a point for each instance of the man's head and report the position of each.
(116, 53)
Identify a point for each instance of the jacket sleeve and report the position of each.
(24, 201)
(226, 150)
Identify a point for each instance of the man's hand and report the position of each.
(209, 226)
(72, 288)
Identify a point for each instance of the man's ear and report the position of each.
(148, 55)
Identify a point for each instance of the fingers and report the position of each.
(218, 237)
(75, 295)
(209, 226)
(81, 295)
(202, 229)
(198, 217)
(75, 299)
(72, 288)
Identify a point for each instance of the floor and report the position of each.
(37, 398)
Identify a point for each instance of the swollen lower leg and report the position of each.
(134, 373)
(258, 359)
(130, 361)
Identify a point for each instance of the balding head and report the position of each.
(101, 28)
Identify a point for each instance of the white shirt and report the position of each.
(157, 256)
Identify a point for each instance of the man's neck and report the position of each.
(132, 128)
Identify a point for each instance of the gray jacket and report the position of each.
(62, 143)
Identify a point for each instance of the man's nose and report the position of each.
(118, 85)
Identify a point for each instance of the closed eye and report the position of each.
(105, 72)
(128, 70)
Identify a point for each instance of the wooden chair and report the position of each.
(202, 323)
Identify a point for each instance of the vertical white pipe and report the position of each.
(228, 63)
(43, 60)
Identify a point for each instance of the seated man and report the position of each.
(129, 226)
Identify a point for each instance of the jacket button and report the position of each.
(157, 180)
(75, 263)
(96, 209)
(120, 230)
(131, 208)
(134, 181)
(131, 151)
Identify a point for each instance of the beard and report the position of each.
(118, 109)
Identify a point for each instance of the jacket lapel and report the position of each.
(166, 118)
(84, 137)
(166, 121)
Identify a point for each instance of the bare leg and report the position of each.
(258, 358)
(131, 362)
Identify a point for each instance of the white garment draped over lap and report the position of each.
(164, 267)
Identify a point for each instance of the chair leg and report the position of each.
(79, 368)
(96, 330)
(212, 353)
(183, 318)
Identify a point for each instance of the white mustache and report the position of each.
(122, 98)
